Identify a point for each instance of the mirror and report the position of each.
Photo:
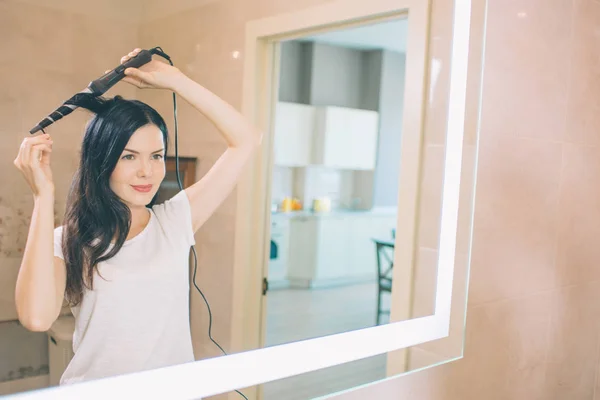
(345, 70)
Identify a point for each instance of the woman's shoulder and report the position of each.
(173, 205)
(58, 242)
(174, 215)
(58, 231)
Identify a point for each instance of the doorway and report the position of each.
(266, 245)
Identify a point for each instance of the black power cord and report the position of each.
(165, 56)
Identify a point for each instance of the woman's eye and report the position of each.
(158, 156)
(128, 157)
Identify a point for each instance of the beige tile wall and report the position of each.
(48, 52)
(532, 330)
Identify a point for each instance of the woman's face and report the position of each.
(141, 167)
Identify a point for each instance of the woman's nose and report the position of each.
(145, 169)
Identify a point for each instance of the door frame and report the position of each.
(261, 81)
(410, 156)
(254, 190)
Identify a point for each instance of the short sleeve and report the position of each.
(58, 242)
(175, 215)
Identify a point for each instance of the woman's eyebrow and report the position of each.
(136, 152)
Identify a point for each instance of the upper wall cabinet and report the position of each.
(339, 84)
(334, 137)
(345, 138)
(294, 128)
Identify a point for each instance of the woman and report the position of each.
(120, 261)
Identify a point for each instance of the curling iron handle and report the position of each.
(108, 80)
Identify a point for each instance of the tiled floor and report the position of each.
(301, 314)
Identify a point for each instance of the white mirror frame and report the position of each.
(240, 370)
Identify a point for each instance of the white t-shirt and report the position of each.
(137, 316)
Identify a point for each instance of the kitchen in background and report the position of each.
(337, 124)
(337, 128)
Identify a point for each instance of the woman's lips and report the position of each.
(142, 188)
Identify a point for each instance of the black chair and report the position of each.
(385, 264)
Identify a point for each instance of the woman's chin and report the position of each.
(139, 200)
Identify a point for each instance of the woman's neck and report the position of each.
(140, 217)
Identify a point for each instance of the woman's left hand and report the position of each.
(153, 75)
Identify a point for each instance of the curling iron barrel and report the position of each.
(101, 85)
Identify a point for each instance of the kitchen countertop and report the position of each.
(377, 211)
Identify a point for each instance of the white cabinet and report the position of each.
(294, 128)
(334, 256)
(345, 138)
(334, 137)
(302, 258)
(335, 249)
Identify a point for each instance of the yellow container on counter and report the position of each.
(321, 205)
(286, 204)
(290, 204)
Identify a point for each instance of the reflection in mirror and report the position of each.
(102, 288)
(337, 125)
(46, 356)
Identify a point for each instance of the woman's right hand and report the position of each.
(33, 161)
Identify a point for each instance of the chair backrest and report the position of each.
(385, 259)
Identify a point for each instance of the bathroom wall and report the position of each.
(533, 317)
(532, 329)
(49, 50)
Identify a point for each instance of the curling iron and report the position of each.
(99, 86)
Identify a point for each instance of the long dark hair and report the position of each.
(94, 213)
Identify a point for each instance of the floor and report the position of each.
(294, 314)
